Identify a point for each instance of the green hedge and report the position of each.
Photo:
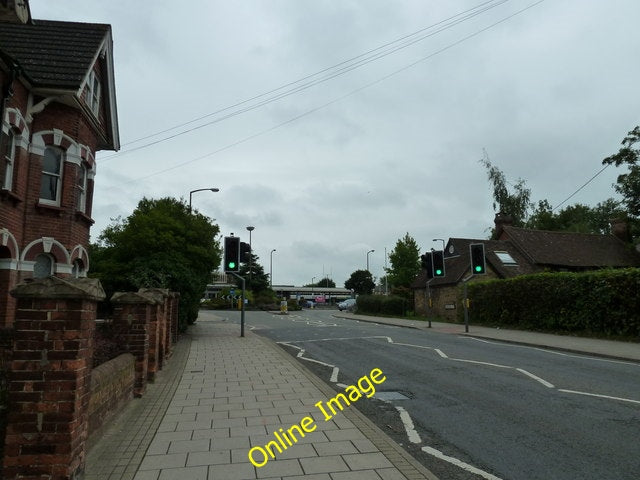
(603, 302)
(382, 304)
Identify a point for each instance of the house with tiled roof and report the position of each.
(519, 251)
(57, 109)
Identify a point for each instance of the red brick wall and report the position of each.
(111, 389)
(20, 211)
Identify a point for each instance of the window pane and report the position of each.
(51, 161)
(9, 155)
(82, 176)
(43, 266)
(49, 187)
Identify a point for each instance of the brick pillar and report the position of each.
(156, 330)
(131, 322)
(169, 312)
(175, 307)
(50, 378)
(8, 280)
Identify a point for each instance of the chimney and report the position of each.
(502, 220)
(15, 11)
(620, 229)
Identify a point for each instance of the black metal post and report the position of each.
(242, 306)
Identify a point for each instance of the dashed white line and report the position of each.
(459, 463)
(441, 353)
(334, 375)
(601, 396)
(480, 363)
(536, 378)
(408, 426)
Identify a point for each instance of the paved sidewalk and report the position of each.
(568, 343)
(231, 395)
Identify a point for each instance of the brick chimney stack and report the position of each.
(502, 220)
(15, 11)
(620, 229)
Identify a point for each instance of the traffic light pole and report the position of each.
(465, 302)
(242, 307)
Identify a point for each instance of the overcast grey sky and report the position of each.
(353, 163)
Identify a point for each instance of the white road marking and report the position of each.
(536, 378)
(554, 352)
(408, 426)
(459, 463)
(480, 363)
(441, 353)
(335, 371)
(600, 396)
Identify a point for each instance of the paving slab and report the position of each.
(222, 395)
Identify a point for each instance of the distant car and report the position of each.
(348, 304)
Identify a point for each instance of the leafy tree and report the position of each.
(255, 279)
(516, 203)
(405, 262)
(361, 282)
(575, 218)
(161, 244)
(628, 184)
(326, 282)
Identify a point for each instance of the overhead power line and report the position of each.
(314, 79)
(336, 100)
(584, 185)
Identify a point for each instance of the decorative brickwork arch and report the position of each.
(14, 119)
(8, 241)
(57, 138)
(80, 260)
(46, 245)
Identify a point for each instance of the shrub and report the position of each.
(603, 302)
(382, 304)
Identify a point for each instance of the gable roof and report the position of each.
(51, 53)
(56, 57)
(571, 250)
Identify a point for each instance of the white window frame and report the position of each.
(506, 258)
(9, 160)
(57, 176)
(81, 185)
(78, 270)
(93, 93)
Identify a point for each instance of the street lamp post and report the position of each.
(271, 268)
(214, 190)
(370, 251)
(251, 229)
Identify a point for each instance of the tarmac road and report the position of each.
(508, 411)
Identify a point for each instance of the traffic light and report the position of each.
(438, 263)
(245, 252)
(231, 254)
(427, 264)
(478, 266)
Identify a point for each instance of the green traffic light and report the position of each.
(232, 265)
(438, 272)
(478, 268)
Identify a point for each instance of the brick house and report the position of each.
(58, 108)
(520, 251)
